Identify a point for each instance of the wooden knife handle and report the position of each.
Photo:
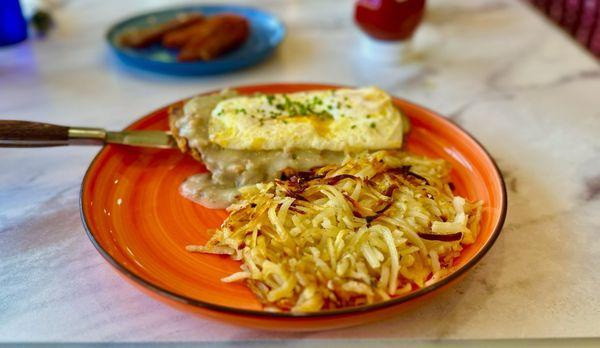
(26, 134)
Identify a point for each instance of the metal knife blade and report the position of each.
(158, 139)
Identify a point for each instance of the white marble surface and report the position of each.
(524, 89)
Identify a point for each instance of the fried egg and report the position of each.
(335, 120)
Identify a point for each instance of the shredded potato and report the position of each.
(377, 226)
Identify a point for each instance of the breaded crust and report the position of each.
(175, 113)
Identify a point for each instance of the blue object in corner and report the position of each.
(13, 27)
(266, 33)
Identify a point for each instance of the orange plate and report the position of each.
(135, 217)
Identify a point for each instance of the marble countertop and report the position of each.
(518, 84)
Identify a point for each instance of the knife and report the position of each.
(36, 134)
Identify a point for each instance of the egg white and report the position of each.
(336, 120)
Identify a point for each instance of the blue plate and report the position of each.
(266, 32)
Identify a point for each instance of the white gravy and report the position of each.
(231, 169)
